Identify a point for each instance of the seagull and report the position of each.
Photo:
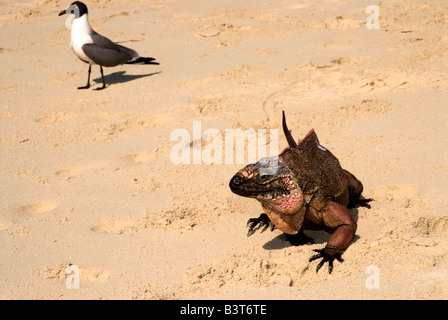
(93, 48)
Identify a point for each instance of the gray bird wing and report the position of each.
(106, 53)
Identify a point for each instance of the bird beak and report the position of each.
(62, 12)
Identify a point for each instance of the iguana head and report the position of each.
(270, 182)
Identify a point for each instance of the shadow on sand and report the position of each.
(121, 77)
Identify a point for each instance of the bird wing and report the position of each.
(106, 53)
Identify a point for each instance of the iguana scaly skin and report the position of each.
(305, 186)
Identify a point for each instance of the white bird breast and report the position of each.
(81, 35)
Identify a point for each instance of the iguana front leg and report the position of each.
(262, 221)
(337, 217)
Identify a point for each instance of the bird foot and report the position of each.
(100, 88)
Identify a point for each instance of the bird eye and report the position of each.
(73, 11)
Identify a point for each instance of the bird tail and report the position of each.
(143, 60)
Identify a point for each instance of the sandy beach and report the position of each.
(88, 187)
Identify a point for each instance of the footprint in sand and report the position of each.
(432, 225)
(40, 207)
(117, 129)
(74, 171)
(106, 226)
(396, 197)
(364, 108)
(141, 157)
(87, 275)
(149, 155)
(70, 172)
(95, 275)
(338, 23)
(4, 225)
(389, 193)
(209, 105)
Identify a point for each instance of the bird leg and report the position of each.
(102, 77)
(87, 86)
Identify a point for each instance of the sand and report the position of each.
(87, 182)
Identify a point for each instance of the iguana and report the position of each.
(305, 186)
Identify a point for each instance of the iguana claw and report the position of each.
(327, 255)
(262, 221)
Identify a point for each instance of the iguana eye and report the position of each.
(236, 181)
(264, 177)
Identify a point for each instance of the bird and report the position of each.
(95, 49)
